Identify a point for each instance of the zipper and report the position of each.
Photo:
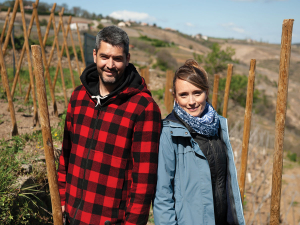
(216, 170)
(231, 197)
(86, 159)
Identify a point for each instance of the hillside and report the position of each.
(267, 70)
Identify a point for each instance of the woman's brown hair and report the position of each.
(193, 73)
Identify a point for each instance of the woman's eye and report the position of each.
(198, 93)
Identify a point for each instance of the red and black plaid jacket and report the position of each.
(107, 169)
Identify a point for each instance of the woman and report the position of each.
(196, 178)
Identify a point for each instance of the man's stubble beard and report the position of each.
(110, 81)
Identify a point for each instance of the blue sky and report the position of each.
(260, 20)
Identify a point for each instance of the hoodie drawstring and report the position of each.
(98, 97)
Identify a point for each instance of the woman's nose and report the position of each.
(192, 100)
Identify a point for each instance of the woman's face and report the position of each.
(189, 97)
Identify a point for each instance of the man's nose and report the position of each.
(110, 63)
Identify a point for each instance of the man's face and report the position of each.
(111, 62)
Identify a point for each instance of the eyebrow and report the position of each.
(116, 56)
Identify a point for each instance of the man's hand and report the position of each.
(62, 211)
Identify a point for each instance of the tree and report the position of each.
(76, 11)
(216, 61)
(100, 26)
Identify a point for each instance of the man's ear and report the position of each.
(95, 55)
(127, 59)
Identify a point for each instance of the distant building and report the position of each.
(81, 26)
(122, 24)
(28, 7)
(106, 21)
(197, 36)
(204, 37)
(144, 24)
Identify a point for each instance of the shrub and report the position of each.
(100, 26)
(292, 156)
(166, 61)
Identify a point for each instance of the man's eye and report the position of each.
(118, 59)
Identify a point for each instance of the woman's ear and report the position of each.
(174, 96)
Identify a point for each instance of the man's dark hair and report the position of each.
(113, 35)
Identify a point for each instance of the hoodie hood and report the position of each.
(132, 84)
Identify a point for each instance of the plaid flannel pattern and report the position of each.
(107, 169)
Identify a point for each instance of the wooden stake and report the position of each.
(74, 49)
(80, 45)
(227, 89)
(9, 97)
(5, 25)
(26, 42)
(46, 131)
(65, 35)
(49, 24)
(59, 61)
(168, 91)
(15, 55)
(44, 58)
(247, 126)
(45, 40)
(21, 58)
(285, 54)
(215, 91)
(11, 24)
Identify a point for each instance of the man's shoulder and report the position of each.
(143, 98)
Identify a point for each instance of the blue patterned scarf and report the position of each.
(207, 124)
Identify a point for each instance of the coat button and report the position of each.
(171, 132)
(107, 222)
(186, 132)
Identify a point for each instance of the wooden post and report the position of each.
(227, 89)
(215, 91)
(49, 25)
(11, 24)
(5, 25)
(145, 74)
(285, 53)
(45, 40)
(21, 57)
(52, 16)
(26, 42)
(15, 55)
(74, 48)
(80, 45)
(59, 61)
(9, 97)
(61, 51)
(247, 126)
(46, 131)
(65, 34)
(44, 59)
(168, 91)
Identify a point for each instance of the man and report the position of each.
(107, 168)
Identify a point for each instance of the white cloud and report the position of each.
(189, 24)
(233, 27)
(129, 15)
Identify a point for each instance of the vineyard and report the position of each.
(34, 98)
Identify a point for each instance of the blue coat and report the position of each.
(184, 191)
